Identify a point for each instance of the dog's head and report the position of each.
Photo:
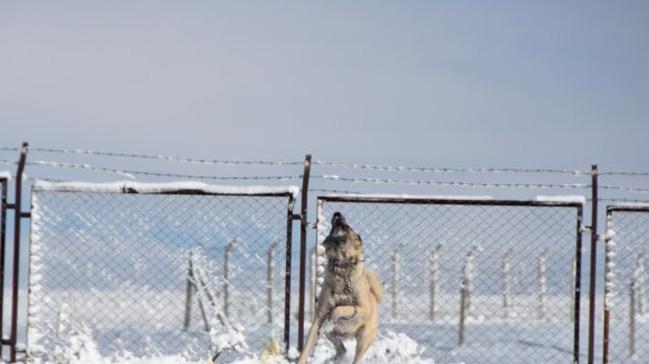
(343, 245)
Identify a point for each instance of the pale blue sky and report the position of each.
(532, 84)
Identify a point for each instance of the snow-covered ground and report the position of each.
(389, 348)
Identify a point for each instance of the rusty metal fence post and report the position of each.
(576, 292)
(593, 265)
(3, 232)
(303, 249)
(18, 216)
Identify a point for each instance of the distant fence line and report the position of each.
(483, 277)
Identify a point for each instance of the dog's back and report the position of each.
(376, 286)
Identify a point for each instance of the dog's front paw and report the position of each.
(341, 312)
(336, 314)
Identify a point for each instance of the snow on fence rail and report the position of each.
(109, 263)
(626, 288)
(475, 279)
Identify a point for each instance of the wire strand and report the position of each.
(9, 149)
(453, 183)
(131, 173)
(624, 188)
(384, 168)
(621, 200)
(167, 157)
(624, 173)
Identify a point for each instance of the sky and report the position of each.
(525, 84)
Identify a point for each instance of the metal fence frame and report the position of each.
(378, 199)
(289, 235)
(3, 232)
(11, 340)
(610, 210)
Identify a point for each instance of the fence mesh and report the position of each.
(112, 271)
(627, 286)
(515, 264)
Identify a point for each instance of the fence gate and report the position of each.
(626, 309)
(146, 269)
(473, 280)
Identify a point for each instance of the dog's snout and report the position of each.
(338, 219)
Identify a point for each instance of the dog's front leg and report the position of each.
(322, 310)
(360, 312)
(310, 342)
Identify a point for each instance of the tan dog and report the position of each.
(350, 294)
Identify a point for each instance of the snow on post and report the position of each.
(609, 275)
(313, 272)
(188, 292)
(543, 286)
(36, 329)
(434, 273)
(396, 262)
(464, 296)
(639, 279)
(321, 260)
(161, 187)
(468, 275)
(226, 278)
(269, 279)
(506, 275)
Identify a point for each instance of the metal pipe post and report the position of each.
(3, 236)
(188, 293)
(463, 299)
(269, 280)
(287, 273)
(16, 261)
(593, 265)
(632, 295)
(395, 282)
(226, 278)
(303, 226)
(577, 292)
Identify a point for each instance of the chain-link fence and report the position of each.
(474, 280)
(157, 269)
(626, 304)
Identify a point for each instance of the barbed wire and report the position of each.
(132, 173)
(453, 183)
(385, 168)
(325, 190)
(9, 149)
(624, 173)
(624, 188)
(620, 200)
(167, 157)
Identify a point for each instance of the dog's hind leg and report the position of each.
(364, 338)
(337, 340)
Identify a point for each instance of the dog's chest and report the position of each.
(342, 293)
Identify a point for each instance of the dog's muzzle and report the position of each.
(338, 220)
(338, 227)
